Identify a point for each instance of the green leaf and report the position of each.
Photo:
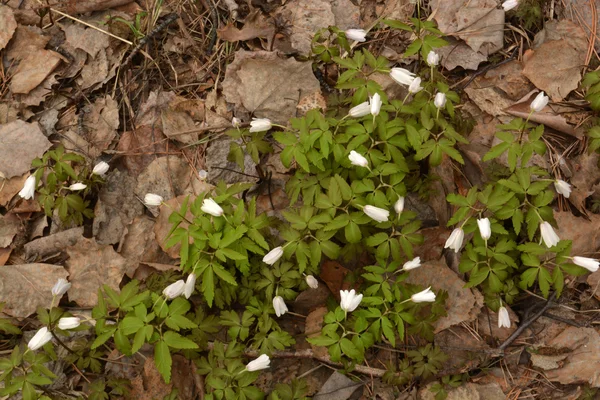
(163, 361)
(130, 325)
(349, 349)
(352, 232)
(208, 286)
(387, 328)
(322, 341)
(301, 159)
(176, 341)
(223, 274)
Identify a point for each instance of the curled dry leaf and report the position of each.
(8, 25)
(582, 363)
(33, 69)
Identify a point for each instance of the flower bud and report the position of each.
(426, 296)
(485, 228)
(562, 187)
(260, 124)
(360, 110)
(415, 86)
(402, 76)
(539, 102)
(509, 4)
(190, 285)
(60, 287)
(357, 159)
(175, 289)
(236, 122)
(399, 205)
(375, 104)
(28, 191)
(549, 237)
(151, 199)
(433, 58)
(68, 323)
(40, 338)
(412, 264)
(211, 207)
(376, 213)
(261, 362)
(272, 256)
(358, 35)
(202, 174)
(349, 300)
(503, 318)
(77, 186)
(440, 100)
(312, 282)
(455, 240)
(101, 168)
(588, 263)
(279, 306)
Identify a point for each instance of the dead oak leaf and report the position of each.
(24, 288)
(20, 143)
(89, 40)
(91, 266)
(8, 25)
(267, 85)
(33, 70)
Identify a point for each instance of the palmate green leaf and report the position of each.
(130, 325)
(301, 159)
(350, 350)
(208, 285)
(162, 359)
(388, 331)
(496, 151)
(223, 274)
(176, 341)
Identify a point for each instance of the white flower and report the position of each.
(357, 159)
(360, 110)
(211, 207)
(279, 306)
(358, 35)
(415, 86)
(190, 285)
(375, 104)
(60, 287)
(399, 205)
(562, 187)
(484, 228)
(260, 124)
(261, 362)
(549, 237)
(539, 102)
(503, 318)
(68, 323)
(151, 199)
(101, 168)
(202, 174)
(77, 186)
(588, 263)
(412, 264)
(376, 213)
(40, 338)
(455, 240)
(272, 256)
(510, 4)
(28, 190)
(312, 282)
(426, 296)
(236, 122)
(349, 300)
(440, 100)
(174, 289)
(402, 76)
(433, 58)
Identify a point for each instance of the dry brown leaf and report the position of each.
(555, 66)
(268, 86)
(9, 227)
(458, 54)
(584, 178)
(144, 270)
(139, 147)
(94, 71)
(308, 16)
(37, 95)
(116, 208)
(463, 305)
(26, 41)
(33, 69)
(24, 288)
(255, 26)
(149, 385)
(20, 143)
(467, 391)
(585, 233)
(175, 122)
(87, 39)
(10, 187)
(337, 387)
(52, 244)
(8, 25)
(151, 109)
(90, 266)
(465, 351)
(140, 245)
(166, 176)
(582, 363)
(311, 101)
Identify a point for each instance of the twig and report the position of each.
(526, 324)
(92, 26)
(165, 23)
